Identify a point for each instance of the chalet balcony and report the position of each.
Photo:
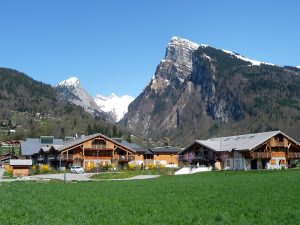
(99, 147)
(52, 157)
(261, 155)
(280, 144)
(124, 158)
(41, 158)
(294, 155)
(197, 158)
(69, 157)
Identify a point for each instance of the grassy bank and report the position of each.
(259, 197)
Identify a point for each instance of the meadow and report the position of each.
(254, 197)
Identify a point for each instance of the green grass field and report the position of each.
(8, 150)
(259, 197)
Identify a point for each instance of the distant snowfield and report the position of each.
(115, 105)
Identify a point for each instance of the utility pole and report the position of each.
(97, 162)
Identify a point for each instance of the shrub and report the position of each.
(151, 166)
(45, 168)
(35, 169)
(131, 166)
(105, 167)
(112, 166)
(8, 170)
(138, 167)
(162, 166)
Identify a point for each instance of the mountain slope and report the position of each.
(71, 90)
(114, 105)
(32, 109)
(199, 91)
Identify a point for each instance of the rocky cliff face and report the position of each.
(199, 91)
(70, 90)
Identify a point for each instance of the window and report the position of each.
(228, 162)
(273, 162)
(46, 140)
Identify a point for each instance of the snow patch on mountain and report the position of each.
(72, 81)
(116, 106)
(253, 62)
(71, 90)
(298, 67)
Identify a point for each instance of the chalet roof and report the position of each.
(56, 147)
(165, 150)
(33, 145)
(240, 142)
(133, 146)
(72, 143)
(20, 162)
(148, 152)
(45, 149)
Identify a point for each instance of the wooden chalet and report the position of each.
(91, 151)
(267, 150)
(165, 156)
(94, 150)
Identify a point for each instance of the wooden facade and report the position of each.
(89, 152)
(276, 152)
(167, 156)
(20, 171)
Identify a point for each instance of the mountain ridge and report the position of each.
(218, 90)
(112, 107)
(32, 109)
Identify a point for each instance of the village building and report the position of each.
(20, 167)
(267, 150)
(159, 156)
(91, 151)
(37, 149)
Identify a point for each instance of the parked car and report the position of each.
(77, 169)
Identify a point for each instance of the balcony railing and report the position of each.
(279, 143)
(96, 147)
(68, 157)
(124, 158)
(294, 155)
(261, 155)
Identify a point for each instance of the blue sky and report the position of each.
(115, 46)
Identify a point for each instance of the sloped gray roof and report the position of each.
(20, 162)
(72, 143)
(165, 150)
(133, 146)
(33, 145)
(240, 142)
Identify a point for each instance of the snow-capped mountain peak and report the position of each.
(72, 81)
(70, 90)
(116, 106)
